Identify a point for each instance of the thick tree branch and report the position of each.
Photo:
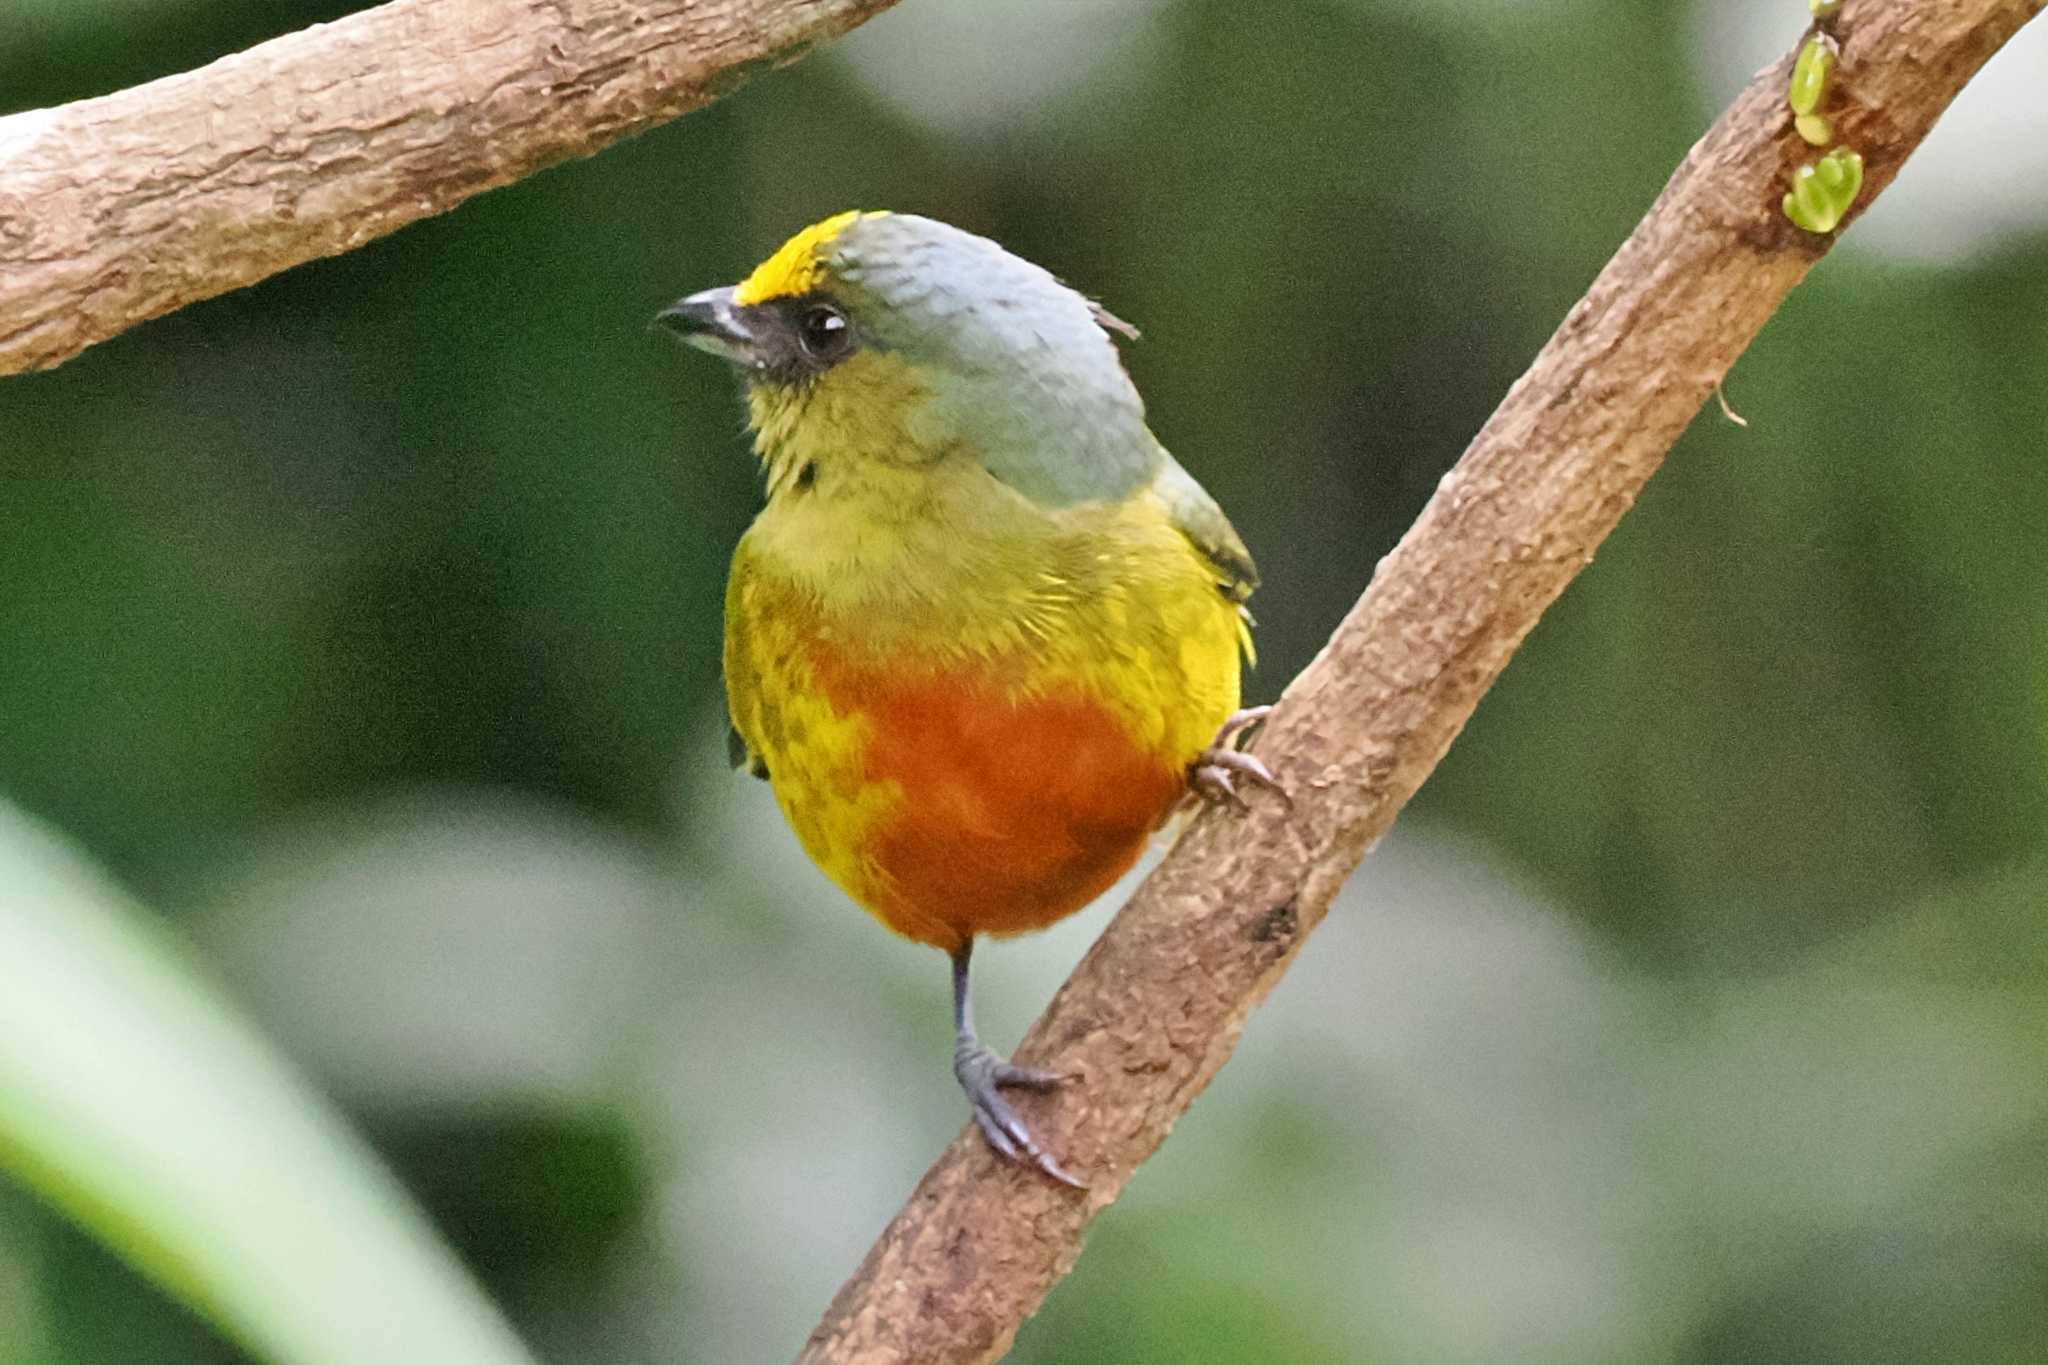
(118, 209)
(1157, 1005)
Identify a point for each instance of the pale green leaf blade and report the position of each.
(135, 1099)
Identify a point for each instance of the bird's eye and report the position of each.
(823, 332)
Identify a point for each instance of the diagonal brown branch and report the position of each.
(1157, 1005)
(119, 209)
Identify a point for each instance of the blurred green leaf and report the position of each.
(134, 1099)
(544, 1197)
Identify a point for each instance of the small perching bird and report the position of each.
(986, 632)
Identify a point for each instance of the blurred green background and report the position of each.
(365, 623)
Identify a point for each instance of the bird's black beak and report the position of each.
(712, 321)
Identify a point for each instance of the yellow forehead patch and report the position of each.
(794, 268)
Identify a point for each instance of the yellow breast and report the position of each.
(1006, 626)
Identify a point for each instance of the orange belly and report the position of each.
(1014, 813)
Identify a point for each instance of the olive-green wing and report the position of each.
(741, 677)
(742, 757)
(1196, 515)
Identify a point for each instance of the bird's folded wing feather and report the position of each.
(739, 669)
(1195, 514)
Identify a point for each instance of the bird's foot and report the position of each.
(1216, 771)
(982, 1074)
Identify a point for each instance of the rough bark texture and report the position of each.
(1157, 1005)
(118, 209)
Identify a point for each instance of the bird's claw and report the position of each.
(982, 1074)
(1237, 723)
(1215, 772)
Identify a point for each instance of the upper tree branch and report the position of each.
(118, 209)
(1156, 1006)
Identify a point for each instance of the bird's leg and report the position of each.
(981, 1073)
(1215, 772)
